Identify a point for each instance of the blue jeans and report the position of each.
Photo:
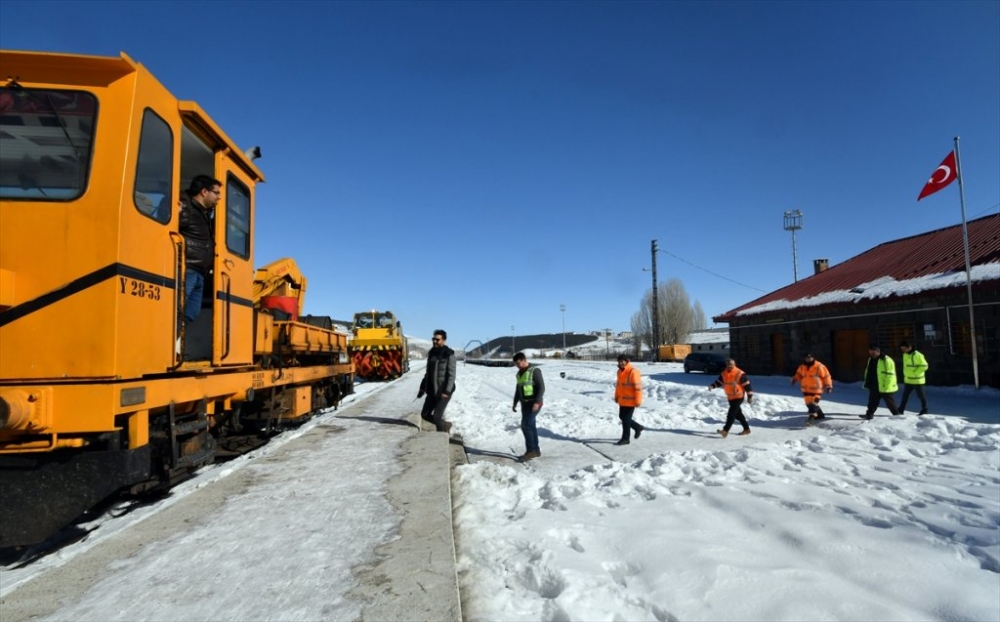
(528, 427)
(194, 287)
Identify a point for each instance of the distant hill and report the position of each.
(548, 344)
(418, 347)
(502, 346)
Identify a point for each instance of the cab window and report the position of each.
(154, 169)
(237, 218)
(46, 143)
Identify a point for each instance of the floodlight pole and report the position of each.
(562, 308)
(656, 308)
(793, 222)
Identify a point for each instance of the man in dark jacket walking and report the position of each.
(199, 239)
(529, 392)
(439, 382)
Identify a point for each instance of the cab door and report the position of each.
(233, 279)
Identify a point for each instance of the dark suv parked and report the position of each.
(708, 362)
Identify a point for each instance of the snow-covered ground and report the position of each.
(896, 519)
(893, 519)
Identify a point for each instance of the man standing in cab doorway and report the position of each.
(880, 380)
(914, 376)
(196, 227)
(628, 396)
(813, 378)
(736, 384)
(438, 382)
(529, 392)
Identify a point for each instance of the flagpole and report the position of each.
(968, 267)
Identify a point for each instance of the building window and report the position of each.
(962, 339)
(889, 336)
(750, 346)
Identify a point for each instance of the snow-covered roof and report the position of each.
(715, 335)
(910, 266)
(881, 288)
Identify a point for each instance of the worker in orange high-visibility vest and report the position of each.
(736, 384)
(813, 378)
(628, 396)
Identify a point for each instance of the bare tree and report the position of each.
(678, 317)
(700, 323)
(642, 327)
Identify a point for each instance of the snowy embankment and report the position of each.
(891, 519)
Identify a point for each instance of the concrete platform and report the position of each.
(409, 575)
(416, 578)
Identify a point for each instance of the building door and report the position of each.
(850, 354)
(778, 354)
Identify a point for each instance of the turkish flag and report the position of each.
(944, 175)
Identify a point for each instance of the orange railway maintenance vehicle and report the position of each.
(102, 386)
(378, 347)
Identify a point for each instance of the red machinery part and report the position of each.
(287, 304)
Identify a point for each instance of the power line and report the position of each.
(988, 209)
(710, 272)
(666, 252)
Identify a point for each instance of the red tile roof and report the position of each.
(935, 252)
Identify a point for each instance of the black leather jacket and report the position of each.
(196, 227)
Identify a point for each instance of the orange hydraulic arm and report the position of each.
(280, 278)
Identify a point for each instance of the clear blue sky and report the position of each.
(472, 166)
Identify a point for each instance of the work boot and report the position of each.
(622, 442)
(724, 433)
(745, 432)
(447, 427)
(867, 416)
(638, 432)
(923, 411)
(530, 455)
(820, 415)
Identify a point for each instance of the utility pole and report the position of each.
(793, 222)
(656, 308)
(513, 348)
(563, 309)
(607, 340)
